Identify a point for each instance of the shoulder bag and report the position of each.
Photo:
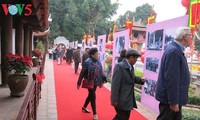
(89, 84)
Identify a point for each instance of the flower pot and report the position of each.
(17, 84)
(36, 62)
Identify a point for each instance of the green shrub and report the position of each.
(108, 79)
(194, 100)
(191, 90)
(40, 47)
(138, 86)
(137, 97)
(138, 73)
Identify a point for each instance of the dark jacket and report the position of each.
(174, 77)
(120, 59)
(69, 53)
(85, 57)
(92, 70)
(122, 86)
(76, 56)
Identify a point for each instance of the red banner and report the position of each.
(194, 13)
(129, 25)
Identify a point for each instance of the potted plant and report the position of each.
(36, 56)
(17, 67)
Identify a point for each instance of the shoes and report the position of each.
(95, 117)
(85, 110)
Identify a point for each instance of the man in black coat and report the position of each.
(85, 56)
(122, 86)
(77, 59)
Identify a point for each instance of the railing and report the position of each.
(28, 110)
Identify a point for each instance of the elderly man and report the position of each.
(174, 77)
(122, 86)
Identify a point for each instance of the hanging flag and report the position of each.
(194, 14)
(93, 36)
(109, 36)
(129, 25)
(85, 38)
(115, 27)
(114, 31)
(152, 17)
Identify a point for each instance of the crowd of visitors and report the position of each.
(172, 85)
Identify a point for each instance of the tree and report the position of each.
(141, 14)
(71, 18)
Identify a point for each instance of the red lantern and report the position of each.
(109, 46)
(142, 52)
(142, 58)
(185, 3)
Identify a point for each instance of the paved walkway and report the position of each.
(47, 106)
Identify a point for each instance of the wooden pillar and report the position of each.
(19, 44)
(6, 43)
(26, 40)
(30, 42)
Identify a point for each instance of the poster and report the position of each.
(121, 41)
(90, 42)
(101, 48)
(158, 36)
(76, 44)
(83, 45)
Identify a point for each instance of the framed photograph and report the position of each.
(120, 44)
(169, 35)
(150, 87)
(152, 64)
(155, 40)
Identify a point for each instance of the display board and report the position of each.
(101, 48)
(158, 36)
(121, 40)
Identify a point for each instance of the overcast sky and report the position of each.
(165, 9)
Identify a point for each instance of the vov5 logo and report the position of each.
(17, 9)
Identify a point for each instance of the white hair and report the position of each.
(181, 32)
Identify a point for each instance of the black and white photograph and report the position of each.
(100, 48)
(83, 45)
(90, 43)
(101, 57)
(152, 64)
(100, 45)
(119, 44)
(155, 40)
(169, 35)
(116, 60)
(101, 42)
(150, 87)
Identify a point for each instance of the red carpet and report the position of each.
(70, 100)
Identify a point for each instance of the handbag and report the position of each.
(89, 84)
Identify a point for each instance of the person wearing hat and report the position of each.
(92, 70)
(122, 86)
(174, 77)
